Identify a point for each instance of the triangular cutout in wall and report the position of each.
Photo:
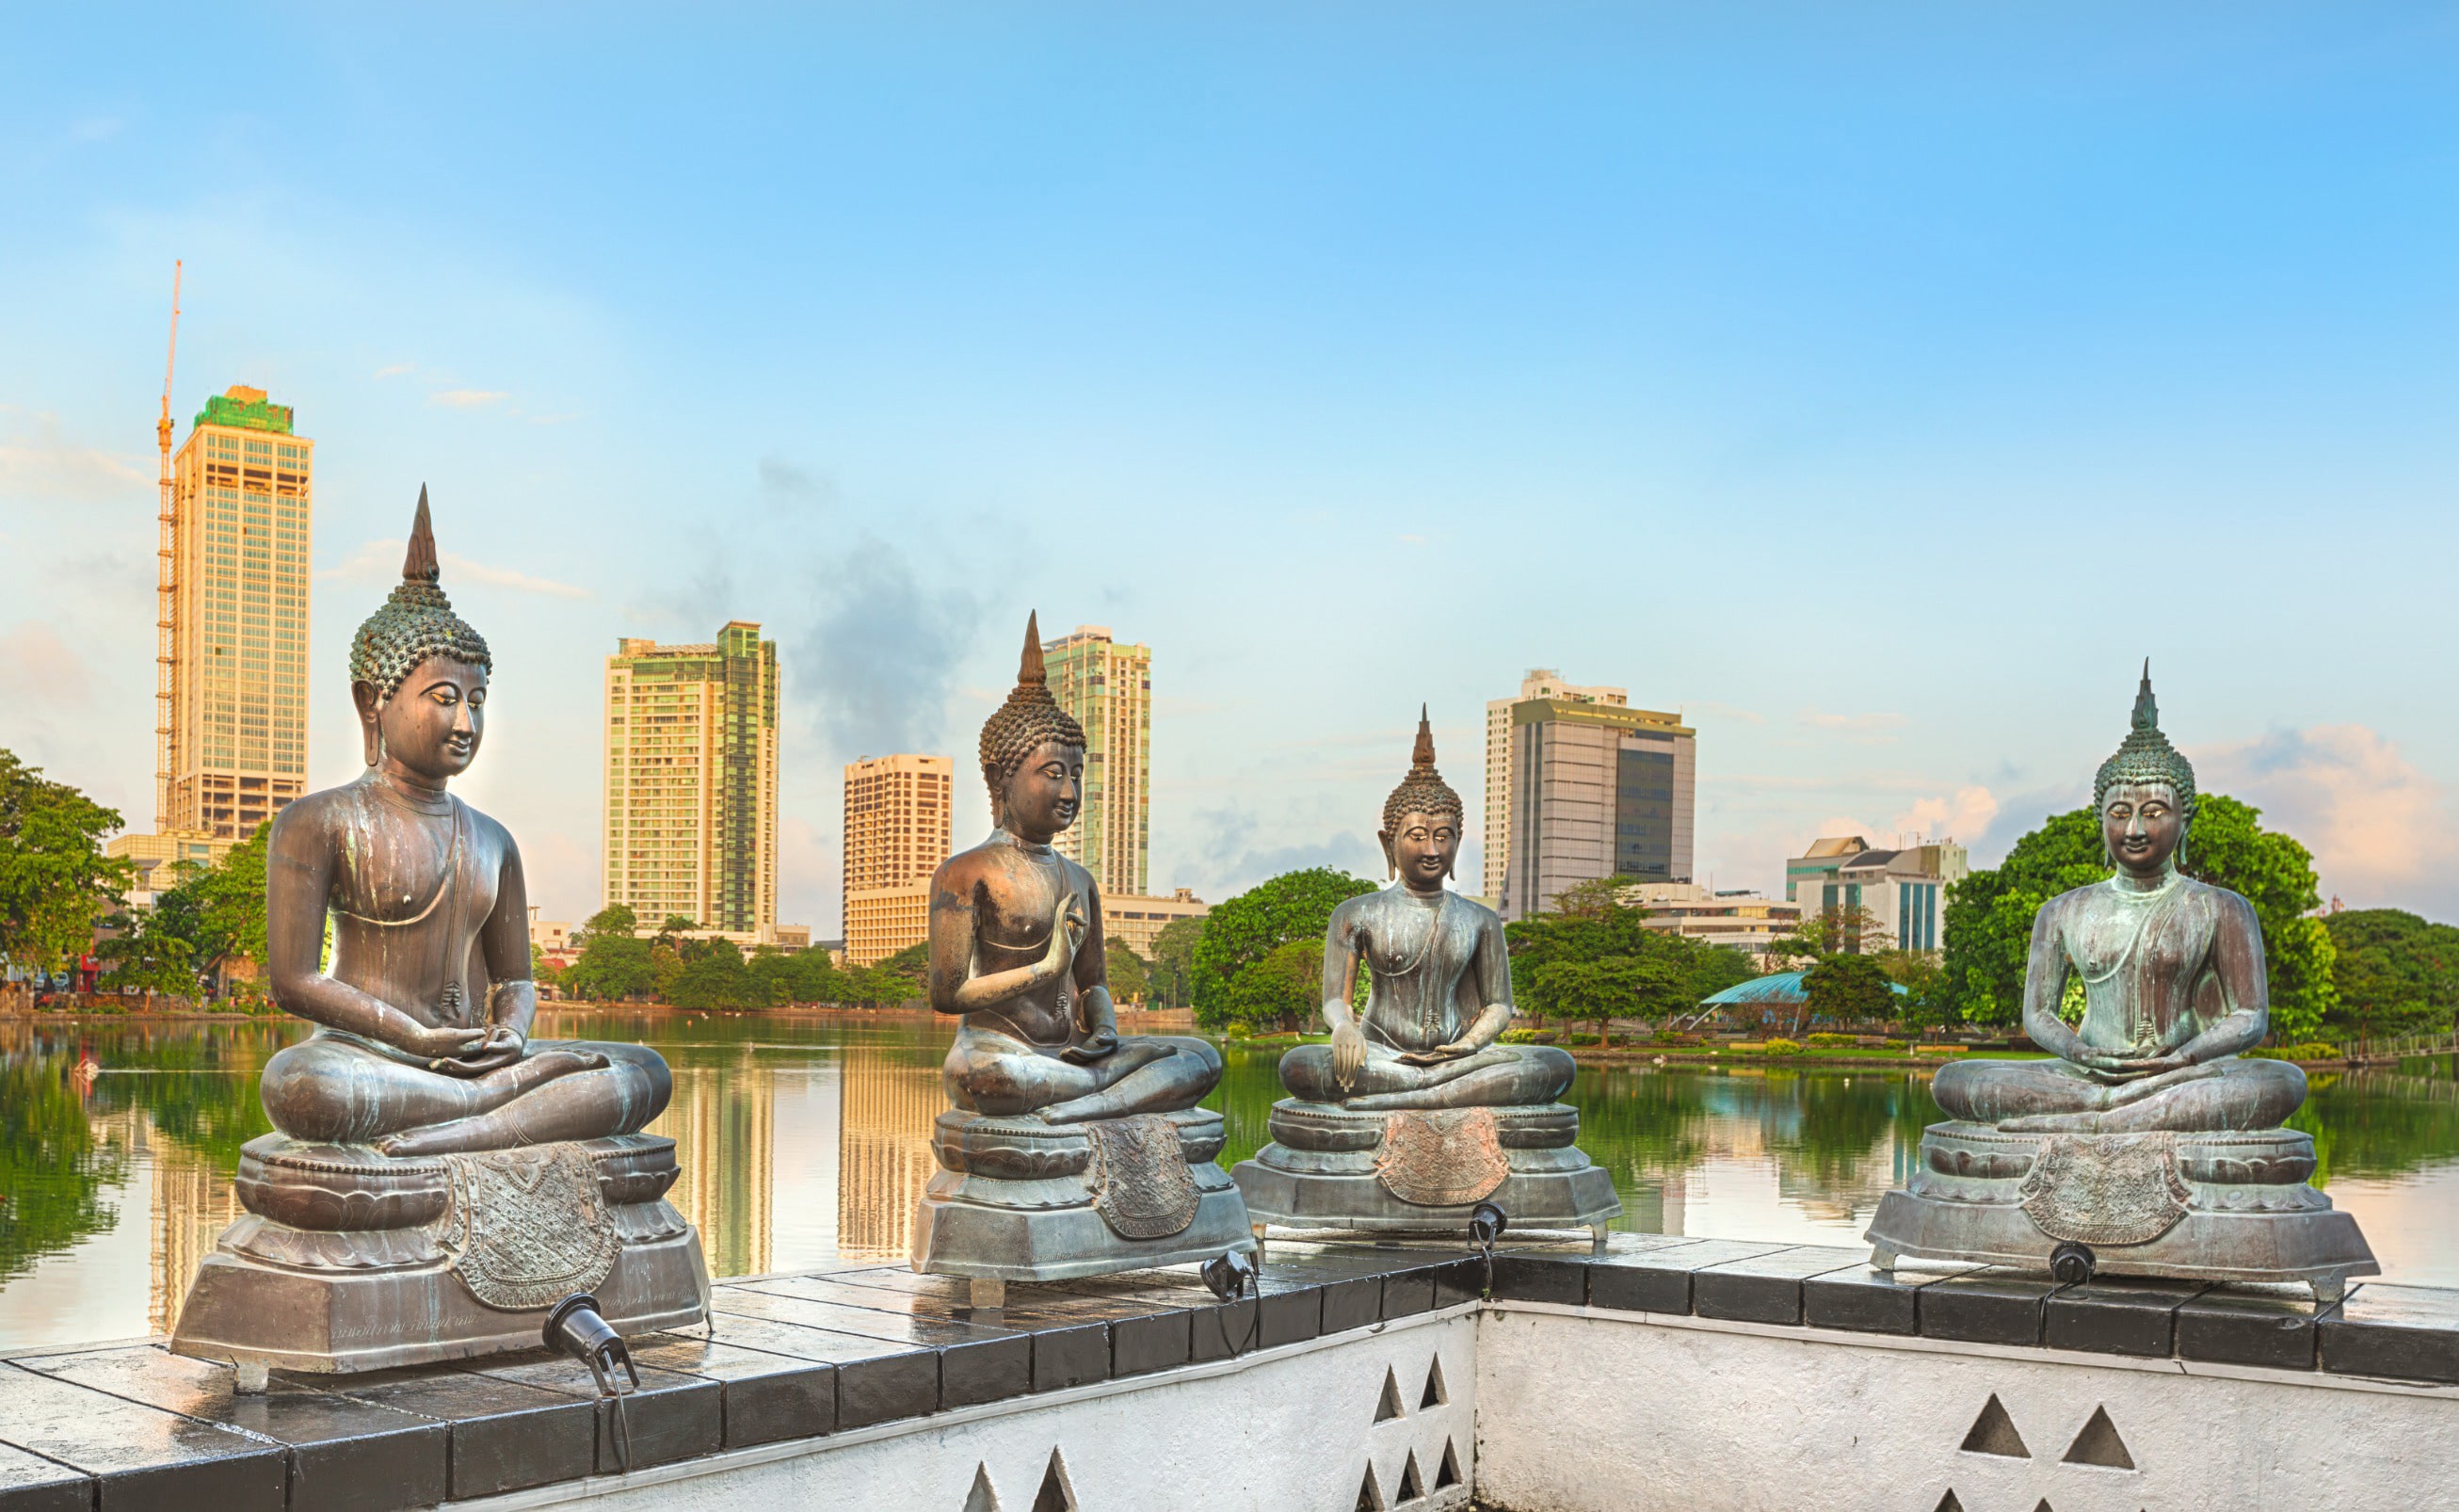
(1435, 1395)
(982, 1498)
(1447, 1474)
(1411, 1487)
(1993, 1433)
(1056, 1493)
(1947, 1502)
(1370, 1495)
(2043, 1505)
(1389, 1407)
(2098, 1444)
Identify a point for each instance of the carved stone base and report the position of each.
(1020, 1200)
(2218, 1206)
(1331, 1167)
(350, 1260)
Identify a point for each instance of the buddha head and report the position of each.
(1033, 753)
(2145, 794)
(1421, 821)
(418, 672)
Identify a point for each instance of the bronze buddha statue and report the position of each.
(1070, 1149)
(1415, 1112)
(440, 1179)
(2147, 1147)
(422, 1044)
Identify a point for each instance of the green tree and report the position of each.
(1285, 989)
(613, 963)
(665, 969)
(1130, 979)
(55, 883)
(146, 954)
(1823, 932)
(1245, 930)
(1847, 989)
(1651, 984)
(219, 909)
(1988, 923)
(2396, 973)
(714, 977)
(1173, 961)
(1715, 968)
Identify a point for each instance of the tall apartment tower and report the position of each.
(1108, 688)
(896, 833)
(691, 782)
(1597, 791)
(1541, 682)
(232, 706)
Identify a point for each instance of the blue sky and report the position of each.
(1877, 388)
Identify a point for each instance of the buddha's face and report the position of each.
(1044, 791)
(431, 725)
(1422, 848)
(2141, 824)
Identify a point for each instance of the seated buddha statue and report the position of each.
(1070, 1149)
(1438, 978)
(440, 1179)
(2147, 1147)
(1417, 1111)
(2172, 981)
(422, 1043)
(1016, 948)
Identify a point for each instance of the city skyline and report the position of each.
(1922, 375)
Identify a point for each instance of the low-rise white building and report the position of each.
(1904, 889)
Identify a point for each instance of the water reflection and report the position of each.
(802, 1138)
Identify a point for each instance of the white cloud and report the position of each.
(1875, 728)
(2378, 827)
(381, 560)
(1965, 813)
(46, 463)
(466, 398)
(392, 371)
(39, 669)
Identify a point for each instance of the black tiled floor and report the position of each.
(2405, 1332)
(141, 1458)
(767, 1397)
(669, 1417)
(345, 1456)
(1657, 1278)
(31, 1483)
(876, 1379)
(1986, 1307)
(979, 1362)
(505, 1435)
(2119, 1315)
(1868, 1300)
(1765, 1289)
(2245, 1325)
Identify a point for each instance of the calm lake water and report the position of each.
(804, 1137)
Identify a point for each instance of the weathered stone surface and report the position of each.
(1868, 1300)
(2119, 1315)
(2241, 1324)
(139, 1457)
(28, 1482)
(1658, 1279)
(345, 1456)
(1986, 1307)
(505, 1435)
(1764, 1289)
(2400, 1332)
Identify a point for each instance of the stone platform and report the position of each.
(859, 1384)
(2219, 1206)
(351, 1260)
(1016, 1199)
(1329, 1166)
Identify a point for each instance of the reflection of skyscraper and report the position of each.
(723, 1121)
(195, 1199)
(887, 1100)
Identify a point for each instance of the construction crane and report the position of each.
(166, 587)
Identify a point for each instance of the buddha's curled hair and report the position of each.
(2148, 757)
(1029, 719)
(1423, 791)
(417, 621)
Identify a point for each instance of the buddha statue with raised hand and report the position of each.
(1070, 1150)
(2147, 1145)
(422, 1131)
(1415, 1112)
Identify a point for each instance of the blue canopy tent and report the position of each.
(1779, 990)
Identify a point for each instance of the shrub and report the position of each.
(2310, 1051)
(1781, 1047)
(1833, 1041)
(1895, 1046)
(1526, 1037)
(1677, 1041)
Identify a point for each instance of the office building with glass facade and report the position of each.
(1108, 688)
(1598, 791)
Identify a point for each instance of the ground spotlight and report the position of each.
(1230, 1275)
(1487, 1222)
